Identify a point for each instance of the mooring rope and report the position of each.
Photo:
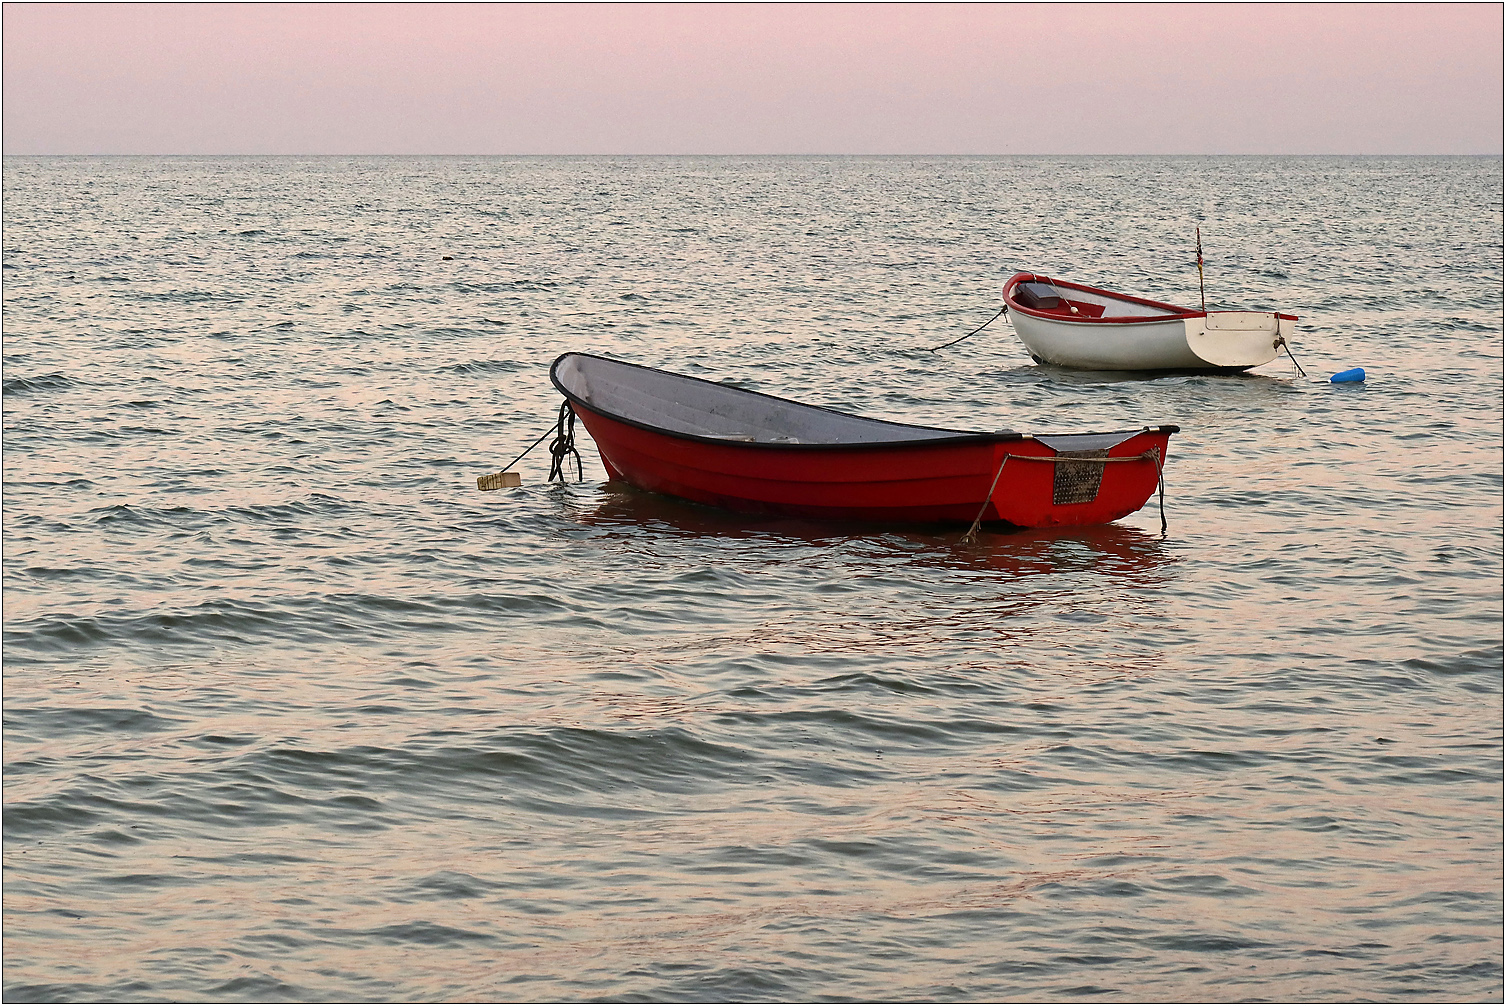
(1281, 341)
(1153, 455)
(1147, 456)
(972, 532)
(529, 448)
(1161, 487)
(563, 445)
(974, 332)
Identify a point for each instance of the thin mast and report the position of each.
(1200, 295)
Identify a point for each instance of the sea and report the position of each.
(293, 712)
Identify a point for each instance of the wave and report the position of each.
(43, 382)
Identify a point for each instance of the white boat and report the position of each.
(1073, 325)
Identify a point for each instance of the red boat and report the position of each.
(742, 450)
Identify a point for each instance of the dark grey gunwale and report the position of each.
(953, 437)
(950, 438)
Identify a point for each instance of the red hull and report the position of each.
(911, 483)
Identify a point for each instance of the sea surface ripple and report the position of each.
(292, 712)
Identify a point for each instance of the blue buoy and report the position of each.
(1349, 376)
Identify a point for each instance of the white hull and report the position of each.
(1175, 344)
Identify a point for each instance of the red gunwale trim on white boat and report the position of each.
(1172, 311)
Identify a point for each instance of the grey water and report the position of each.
(293, 712)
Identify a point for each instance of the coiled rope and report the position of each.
(1153, 455)
(563, 446)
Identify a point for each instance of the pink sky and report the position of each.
(992, 79)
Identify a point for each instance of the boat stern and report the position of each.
(1073, 480)
(1238, 339)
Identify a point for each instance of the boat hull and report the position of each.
(1164, 337)
(1086, 346)
(923, 483)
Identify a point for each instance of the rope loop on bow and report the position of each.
(563, 446)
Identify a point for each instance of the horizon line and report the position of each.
(746, 154)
